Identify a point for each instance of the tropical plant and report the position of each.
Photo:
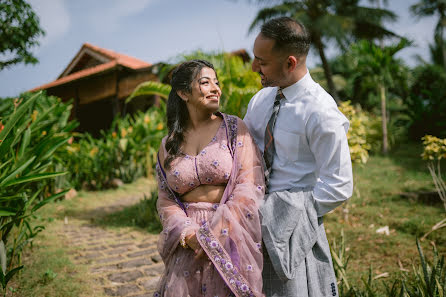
(435, 151)
(377, 66)
(342, 21)
(19, 32)
(125, 152)
(32, 129)
(427, 102)
(357, 133)
(426, 8)
(430, 278)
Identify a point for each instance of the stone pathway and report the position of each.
(122, 261)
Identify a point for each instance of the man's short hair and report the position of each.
(290, 36)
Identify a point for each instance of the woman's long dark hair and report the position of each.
(177, 112)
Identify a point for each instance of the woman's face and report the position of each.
(205, 90)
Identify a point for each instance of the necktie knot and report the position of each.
(279, 97)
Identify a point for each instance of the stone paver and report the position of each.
(122, 264)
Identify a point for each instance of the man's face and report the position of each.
(268, 63)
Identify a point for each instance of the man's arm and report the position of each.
(327, 136)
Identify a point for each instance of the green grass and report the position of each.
(378, 202)
(49, 272)
(142, 215)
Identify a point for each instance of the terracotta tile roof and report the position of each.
(115, 59)
(124, 60)
(76, 75)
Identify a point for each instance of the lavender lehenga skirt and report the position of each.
(187, 275)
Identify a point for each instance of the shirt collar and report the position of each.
(292, 91)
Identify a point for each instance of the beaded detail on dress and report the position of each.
(212, 166)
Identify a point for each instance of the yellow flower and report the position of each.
(123, 132)
(146, 119)
(34, 115)
(43, 133)
(114, 134)
(94, 151)
(130, 129)
(160, 126)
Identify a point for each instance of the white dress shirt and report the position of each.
(310, 138)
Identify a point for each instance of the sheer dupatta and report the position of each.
(232, 238)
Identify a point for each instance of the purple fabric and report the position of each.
(230, 235)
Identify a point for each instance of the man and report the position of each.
(302, 135)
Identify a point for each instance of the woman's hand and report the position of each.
(192, 242)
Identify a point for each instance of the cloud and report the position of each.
(54, 19)
(115, 11)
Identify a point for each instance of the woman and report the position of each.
(210, 183)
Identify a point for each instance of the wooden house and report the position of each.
(99, 80)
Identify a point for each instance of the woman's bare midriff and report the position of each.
(205, 193)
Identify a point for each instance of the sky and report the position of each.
(159, 30)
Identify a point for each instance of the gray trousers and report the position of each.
(304, 259)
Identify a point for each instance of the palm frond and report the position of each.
(265, 14)
(150, 88)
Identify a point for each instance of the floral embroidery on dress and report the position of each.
(191, 184)
(240, 143)
(223, 262)
(259, 245)
(249, 267)
(186, 273)
(224, 232)
(249, 215)
(259, 187)
(157, 294)
(203, 152)
(226, 176)
(187, 222)
(176, 173)
(224, 146)
(215, 206)
(208, 179)
(215, 163)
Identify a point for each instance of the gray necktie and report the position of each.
(268, 152)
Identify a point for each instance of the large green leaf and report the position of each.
(150, 88)
(25, 142)
(49, 199)
(17, 171)
(33, 178)
(11, 273)
(6, 213)
(15, 117)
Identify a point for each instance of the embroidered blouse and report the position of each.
(212, 166)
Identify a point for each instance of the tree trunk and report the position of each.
(327, 70)
(382, 91)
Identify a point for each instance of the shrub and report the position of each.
(357, 133)
(32, 129)
(125, 152)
